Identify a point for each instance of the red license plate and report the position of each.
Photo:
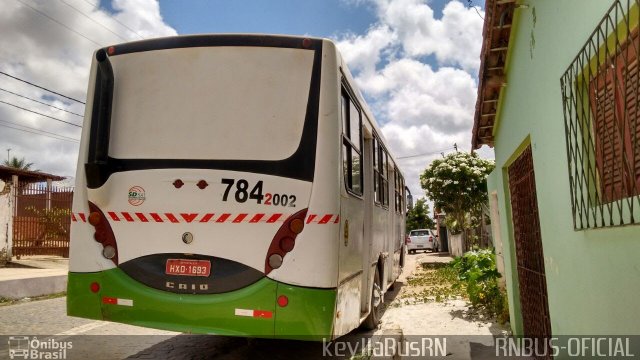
(188, 267)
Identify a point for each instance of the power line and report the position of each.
(425, 154)
(116, 20)
(41, 87)
(95, 21)
(41, 114)
(62, 137)
(40, 102)
(37, 133)
(56, 21)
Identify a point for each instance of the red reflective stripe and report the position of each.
(206, 218)
(189, 217)
(325, 219)
(223, 218)
(239, 218)
(109, 300)
(262, 314)
(171, 218)
(142, 217)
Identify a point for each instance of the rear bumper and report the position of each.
(427, 246)
(252, 311)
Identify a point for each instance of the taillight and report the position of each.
(103, 234)
(284, 240)
(407, 240)
(430, 238)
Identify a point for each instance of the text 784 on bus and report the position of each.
(232, 184)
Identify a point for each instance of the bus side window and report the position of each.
(351, 140)
(376, 172)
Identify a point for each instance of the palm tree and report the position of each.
(21, 164)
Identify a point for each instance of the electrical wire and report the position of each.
(37, 133)
(56, 21)
(40, 102)
(41, 114)
(41, 87)
(425, 154)
(95, 21)
(116, 20)
(62, 137)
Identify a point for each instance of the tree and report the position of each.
(21, 164)
(457, 184)
(418, 217)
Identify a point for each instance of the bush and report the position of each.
(477, 271)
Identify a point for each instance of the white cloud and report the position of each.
(425, 105)
(36, 48)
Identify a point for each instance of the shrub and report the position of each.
(477, 271)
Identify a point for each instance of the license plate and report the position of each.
(186, 267)
(420, 245)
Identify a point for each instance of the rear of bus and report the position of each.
(194, 208)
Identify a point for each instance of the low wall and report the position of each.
(456, 245)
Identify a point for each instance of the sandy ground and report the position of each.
(453, 318)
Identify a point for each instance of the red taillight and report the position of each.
(407, 240)
(284, 240)
(103, 234)
(430, 238)
(283, 301)
(95, 287)
(306, 43)
(94, 218)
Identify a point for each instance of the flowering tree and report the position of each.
(457, 184)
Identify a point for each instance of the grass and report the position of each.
(7, 302)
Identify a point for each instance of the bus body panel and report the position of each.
(251, 86)
(250, 311)
(319, 258)
(219, 228)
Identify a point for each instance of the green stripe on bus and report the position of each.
(308, 316)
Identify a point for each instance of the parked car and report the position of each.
(422, 239)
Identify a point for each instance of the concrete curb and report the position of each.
(34, 286)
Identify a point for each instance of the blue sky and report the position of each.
(415, 61)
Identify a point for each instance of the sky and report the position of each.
(415, 61)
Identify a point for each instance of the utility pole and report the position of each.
(8, 152)
(455, 146)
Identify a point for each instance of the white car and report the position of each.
(422, 239)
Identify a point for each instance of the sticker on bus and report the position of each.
(185, 267)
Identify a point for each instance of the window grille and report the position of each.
(600, 96)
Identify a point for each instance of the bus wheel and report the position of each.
(371, 322)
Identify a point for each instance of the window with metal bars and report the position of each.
(601, 98)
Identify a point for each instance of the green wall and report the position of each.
(593, 276)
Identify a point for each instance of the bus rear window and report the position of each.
(235, 103)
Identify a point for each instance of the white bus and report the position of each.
(233, 184)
